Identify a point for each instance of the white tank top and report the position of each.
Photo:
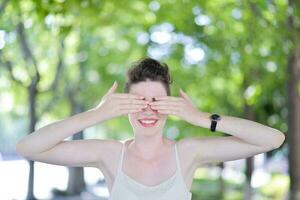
(125, 187)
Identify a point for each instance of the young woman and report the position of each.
(148, 166)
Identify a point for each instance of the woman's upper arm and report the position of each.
(224, 148)
(76, 153)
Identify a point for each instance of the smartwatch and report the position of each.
(214, 120)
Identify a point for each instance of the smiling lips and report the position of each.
(148, 122)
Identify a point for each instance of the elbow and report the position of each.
(20, 149)
(280, 138)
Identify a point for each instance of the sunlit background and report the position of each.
(14, 177)
(233, 57)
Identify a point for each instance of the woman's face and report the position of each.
(148, 121)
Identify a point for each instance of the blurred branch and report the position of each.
(257, 12)
(254, 9)
(291, 22)
(59, 69)
(8, 66)
(3, 6)
(27, 54)
(53, 86)
(36, 77)
(50, 104)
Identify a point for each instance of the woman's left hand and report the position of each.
(179, 106)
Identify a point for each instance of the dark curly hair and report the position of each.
(148, 69)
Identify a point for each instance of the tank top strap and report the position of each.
(121, 157)
(177, 158)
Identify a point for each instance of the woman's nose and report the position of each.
(148, 108)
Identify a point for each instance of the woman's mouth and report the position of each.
(148, 123)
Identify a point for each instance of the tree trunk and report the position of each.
(32, 93)
(249, 170)
(293, 122)
(76, 182)
(248, 193)
(221, 182)
(293, 136)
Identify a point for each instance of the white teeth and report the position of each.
(148, 121)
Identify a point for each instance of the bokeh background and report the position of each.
(234, 57)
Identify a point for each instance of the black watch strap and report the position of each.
(213, 125)
(214, 120)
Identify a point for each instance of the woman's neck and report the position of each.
(148, 147)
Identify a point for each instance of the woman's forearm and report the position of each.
(50, 135)
(246, 130)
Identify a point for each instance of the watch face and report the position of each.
(215, 117)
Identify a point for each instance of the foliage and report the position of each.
(225, 54)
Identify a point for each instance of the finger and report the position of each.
(128, 111)
(168, 111)
(131, 106)
(113, 88)
(128, 96)
(185, 96)
(165, 107)
(167, 98)
(133, 102)
(149, 108)
(165, 102)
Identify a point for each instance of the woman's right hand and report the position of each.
(116, 104)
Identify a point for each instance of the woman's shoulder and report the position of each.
(118, 144)
(186, 146)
